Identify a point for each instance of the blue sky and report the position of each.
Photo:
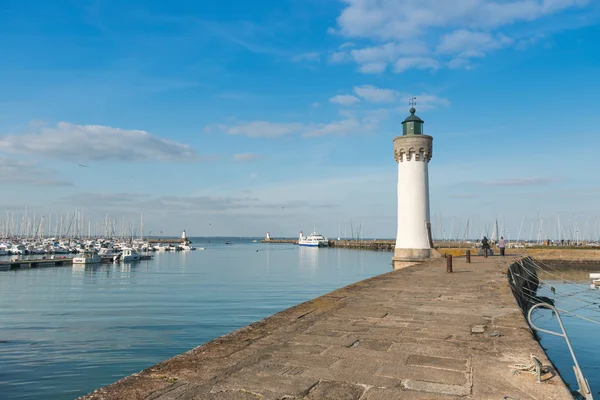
(237, 118)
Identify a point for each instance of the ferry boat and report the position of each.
(87, 258)
(313, 240)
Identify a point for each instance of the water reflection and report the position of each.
(93, 324)
(308, 257)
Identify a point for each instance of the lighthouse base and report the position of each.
(412, 254)
(406, 257)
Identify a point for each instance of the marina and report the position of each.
(74, 329)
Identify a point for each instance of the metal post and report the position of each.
(485, 252)
(468, 255)
(449, 263)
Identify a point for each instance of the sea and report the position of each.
(65, 331)
(578, 306)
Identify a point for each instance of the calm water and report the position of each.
(584, 335)
(70, 330)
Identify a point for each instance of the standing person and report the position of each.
(501, 245)
(485, 245)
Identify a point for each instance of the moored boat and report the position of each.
(130, 255)
(313, 240)
(87, 258)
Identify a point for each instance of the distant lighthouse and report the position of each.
(413, 151)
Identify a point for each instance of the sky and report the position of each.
(241, 118)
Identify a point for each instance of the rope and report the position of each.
(531, 368)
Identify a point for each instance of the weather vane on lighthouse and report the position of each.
(412, 102)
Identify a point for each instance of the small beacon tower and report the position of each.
(413, 151)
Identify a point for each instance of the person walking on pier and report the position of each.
(501, 245)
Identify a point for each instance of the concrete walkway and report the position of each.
(417, 333)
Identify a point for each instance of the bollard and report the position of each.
(484, 253)
(449, 264)
(468, 255)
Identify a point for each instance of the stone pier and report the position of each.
(417, 334)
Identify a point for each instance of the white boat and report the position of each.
(185, 246)
(108, 252)
(161, 247)
(87, 258)
(17, 249)
(313, 240)
(130, 255)
(60, 250)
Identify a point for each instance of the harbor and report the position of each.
(300, 200)
(417, 333)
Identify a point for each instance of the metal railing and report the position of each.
(584, 386)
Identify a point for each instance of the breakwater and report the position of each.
(362, 244)
(415, 333)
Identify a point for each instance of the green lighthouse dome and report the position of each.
(412, 125)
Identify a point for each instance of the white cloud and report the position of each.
(407, 32)
(339, 57)
(376, 95)
(344, 99)
(23, 172)
(375, 59)
(258, 129)
(466, 43)
(354, 121)
(69, 141)
(401, 19)
(342, 127)
(429, 102)
(372, 68)
(406, 63)
(243, 157)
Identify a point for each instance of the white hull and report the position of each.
(94, 259)
(308, 244)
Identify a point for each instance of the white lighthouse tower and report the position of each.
(412, 151)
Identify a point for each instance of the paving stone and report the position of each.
(327, 390)
(401, 394)
(437, 362)
(229, 395)
(436, 387)
(424, 374)
(296, 386)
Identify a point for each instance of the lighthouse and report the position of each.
(413, 151)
